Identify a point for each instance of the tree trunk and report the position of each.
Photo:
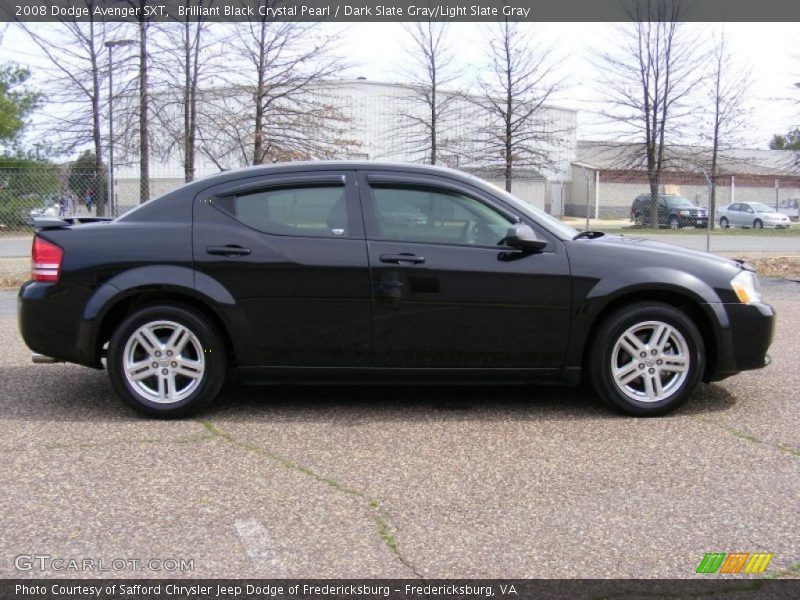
(433, 123)
(101, 195)
(188, 93)
(258, 133)
(144, 128)
(509, 160)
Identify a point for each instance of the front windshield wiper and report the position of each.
(589, 235)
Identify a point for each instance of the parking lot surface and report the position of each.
(399, 481)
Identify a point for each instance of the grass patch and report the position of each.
(632, 230)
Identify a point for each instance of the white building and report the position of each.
(374, 111)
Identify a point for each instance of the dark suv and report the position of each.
(673, 211)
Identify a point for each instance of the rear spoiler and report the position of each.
(58, 222)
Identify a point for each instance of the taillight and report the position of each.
(45, 260)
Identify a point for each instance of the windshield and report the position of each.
(538, 215)
(761, 207)
(679, 201)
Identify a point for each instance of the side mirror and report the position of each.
(522, 237)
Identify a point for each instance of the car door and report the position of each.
(734, 215)
(663, 211)
(290, 250)
(447, 292)
(739, 214)
(748, 215)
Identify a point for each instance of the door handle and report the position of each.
(402, 258)
(230, 250)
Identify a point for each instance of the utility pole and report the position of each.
(111, 44)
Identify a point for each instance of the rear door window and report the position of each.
(311, 211)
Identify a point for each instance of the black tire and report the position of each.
(674, 223)
(758, 224)
(209, 342)
(723, 223)
(602, 354)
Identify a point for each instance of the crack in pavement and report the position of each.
(749, 437)
(382, 524)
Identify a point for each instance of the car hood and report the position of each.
(668, 251)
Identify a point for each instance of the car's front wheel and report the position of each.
(166, 361)
(647, 359)
(723, 223)
(674, 223)
(758, 224)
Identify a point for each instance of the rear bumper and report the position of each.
(49, 319)
(745, 341)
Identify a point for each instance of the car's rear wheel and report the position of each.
(166, 361)
(758, 224)
(647, 359)
(723, 223)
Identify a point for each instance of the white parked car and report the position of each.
(751, 214)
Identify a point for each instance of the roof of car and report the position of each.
(333, 165)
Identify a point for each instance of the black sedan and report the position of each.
(304, 272)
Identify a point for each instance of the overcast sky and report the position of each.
(378, 51)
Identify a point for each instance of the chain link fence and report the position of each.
(57, 191)
(615, 202)
(689, 210)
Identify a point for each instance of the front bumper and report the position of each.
(744, 343)
(693, 221)
(777, 224)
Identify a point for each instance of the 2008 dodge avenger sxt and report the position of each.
(342, 271)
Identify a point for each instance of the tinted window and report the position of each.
(303, 211)
(436, 216)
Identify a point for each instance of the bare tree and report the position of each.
(727, 92)
(186, 59)
(74, 86)
(513, 99)
(648, 81)
(286, 115)
(430, 108)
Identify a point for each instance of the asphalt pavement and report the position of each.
(399, 481)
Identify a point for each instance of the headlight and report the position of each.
(684, 213)
(745, 284)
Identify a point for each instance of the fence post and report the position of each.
(597, 194)
(710, 216)
(588, 195)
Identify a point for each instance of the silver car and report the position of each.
(751, 214)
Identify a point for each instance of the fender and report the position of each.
(160, 278)
(630, 281)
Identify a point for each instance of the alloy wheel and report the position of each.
(163, 361)
(650, 361)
